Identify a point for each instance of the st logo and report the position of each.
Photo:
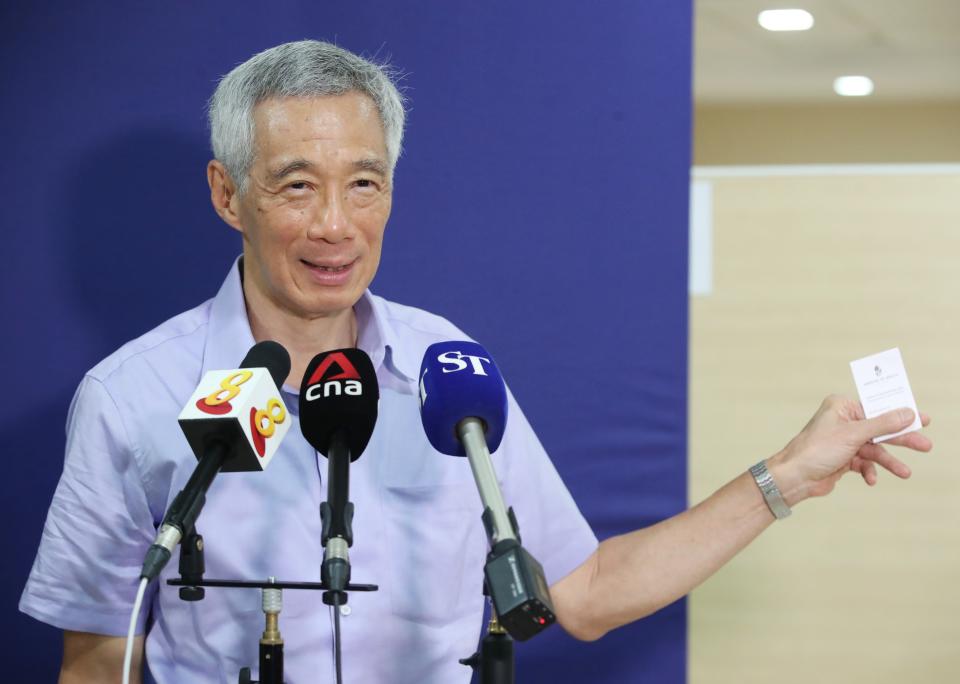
(456, 359)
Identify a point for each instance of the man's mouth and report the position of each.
(328, 268)
(330, 273)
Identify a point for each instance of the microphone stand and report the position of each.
(513, 579)
(192, 566)
(192, 585)
(494, 661)
(271, 643)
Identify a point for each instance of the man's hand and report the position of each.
(632, 575)
(837, 441)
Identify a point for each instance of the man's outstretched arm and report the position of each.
(633, 575)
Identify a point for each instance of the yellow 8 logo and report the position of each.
(229, 388)
(274, 413)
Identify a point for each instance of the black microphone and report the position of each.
(338, 411)
(234, 421)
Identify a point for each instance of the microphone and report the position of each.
(234, 422)
(463, 407)
(338, 411)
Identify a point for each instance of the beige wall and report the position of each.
(848, 132)
(809, 274)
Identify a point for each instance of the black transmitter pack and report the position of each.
(519, 590)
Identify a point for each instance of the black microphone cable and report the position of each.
(335, 607)
(337, 660)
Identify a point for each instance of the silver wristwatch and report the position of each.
(771, 494)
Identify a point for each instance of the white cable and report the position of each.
(128, 652)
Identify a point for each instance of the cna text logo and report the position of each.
(334, 376)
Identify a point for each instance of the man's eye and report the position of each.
(364, 183)
(298, 186)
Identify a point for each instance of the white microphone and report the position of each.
(234, 422)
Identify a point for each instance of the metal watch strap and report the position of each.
(771, 494)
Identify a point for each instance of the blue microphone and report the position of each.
(463, 406)
(459, 380)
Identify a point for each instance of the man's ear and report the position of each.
(223, 194)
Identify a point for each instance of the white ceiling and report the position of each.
(910, 48)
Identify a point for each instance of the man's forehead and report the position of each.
(351, 117)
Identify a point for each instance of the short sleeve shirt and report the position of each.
(417, 528)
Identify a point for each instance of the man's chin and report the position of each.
(326, 304)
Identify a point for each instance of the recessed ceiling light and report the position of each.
(853, 86)
(785, 20)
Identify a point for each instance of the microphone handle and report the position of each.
(208, 466)
(338, 486)
(184, 509)
(336, 514)
(186, 506)
(472, 435)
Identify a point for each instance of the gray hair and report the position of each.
(306, 68)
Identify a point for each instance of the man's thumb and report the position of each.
(884, 424)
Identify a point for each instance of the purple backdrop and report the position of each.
(540, 204)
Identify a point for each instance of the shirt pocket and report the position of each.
(438, 548)
(217, 635)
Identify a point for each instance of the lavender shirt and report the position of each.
(417, 529)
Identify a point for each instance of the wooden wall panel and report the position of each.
(809, 274)
(843, 132)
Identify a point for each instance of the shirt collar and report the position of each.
(377, 337)
(229, 337)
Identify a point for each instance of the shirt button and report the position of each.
(345, 610)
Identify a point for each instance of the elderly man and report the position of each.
(306, 137)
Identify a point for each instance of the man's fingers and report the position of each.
(912, 440)
(884, 424)
(883, 458)
(867, 470)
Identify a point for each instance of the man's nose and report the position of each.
(332, 222)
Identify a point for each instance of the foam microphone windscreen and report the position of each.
(339, 392)
(272, 356)
(460, 380)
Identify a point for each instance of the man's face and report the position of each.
(317, 201)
